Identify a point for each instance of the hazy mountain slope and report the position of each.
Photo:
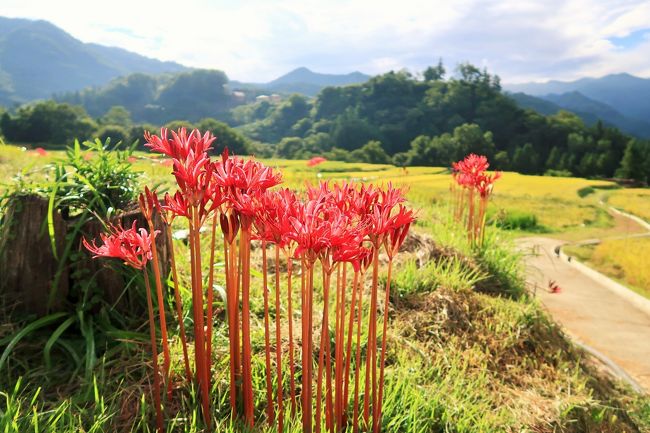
(38, 59)
(625, 93)
(588, 109)
(305, 81)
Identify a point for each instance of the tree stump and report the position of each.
(28, 266)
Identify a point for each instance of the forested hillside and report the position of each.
(397, 117)
(433, 120)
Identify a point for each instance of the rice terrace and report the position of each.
(424, 247)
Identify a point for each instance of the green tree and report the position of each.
(372, 153)
(117, 115)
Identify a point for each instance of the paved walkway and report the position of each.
(590, 311)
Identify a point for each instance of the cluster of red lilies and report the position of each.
(471, 190)
(342, 227)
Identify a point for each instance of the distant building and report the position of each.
(239, 96)
(261, 98)
(276, 98)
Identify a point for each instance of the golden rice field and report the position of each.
(625, 260)
(634, 200)
(565, 207)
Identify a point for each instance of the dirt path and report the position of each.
(612, 320)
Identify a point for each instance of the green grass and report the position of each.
(468, 350)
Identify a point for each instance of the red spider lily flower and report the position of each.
(274, 209)
(193, 175)
(485, 183)
(235, 173)
(229, 226)
(133, 245)
(399, 227)
(40, 151)
(467, 171)
(309, 230)
(148, 202)
(181, 143)
(132, 159)
(177, 205)
(315, 161)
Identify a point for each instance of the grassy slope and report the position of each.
(467, 351)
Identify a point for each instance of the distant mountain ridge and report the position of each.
(307, 82)
(38, 59)
(625, 93)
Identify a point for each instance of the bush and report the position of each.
(517, 220)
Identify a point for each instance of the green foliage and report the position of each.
(94, 177)
(47, 122)
(636, 161)
(517, 220)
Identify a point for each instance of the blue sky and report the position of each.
(259, 40)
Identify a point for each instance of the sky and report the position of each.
(259, 40)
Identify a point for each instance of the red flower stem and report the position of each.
(348, 350)
(179, 305)
(470, 218)
(210, 299)
(306, 348)
(278, 339)
(247, 377)
(292, 381)
(376, 418)
(154, 355)
(197, 303)
(372, 340)
(357, 372)
(230, 305)
(340, 371)
(324, 335)
(337, 347)
(161, 308)
(270, 415)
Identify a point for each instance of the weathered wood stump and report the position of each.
(29, 268)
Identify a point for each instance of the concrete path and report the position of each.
(589, 309)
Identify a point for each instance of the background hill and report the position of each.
(38, 59)
(306, 82)
(589, 110)
(625, 93)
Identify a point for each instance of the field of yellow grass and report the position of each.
(560, 205)
(625, 260)
(634, 200)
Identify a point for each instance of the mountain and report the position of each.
(305, 81)
(588, 109)
(38, 59)
(625, 93)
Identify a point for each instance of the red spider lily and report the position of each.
(246, 176)
(40, 151)
(132, 159)
(315, 161)
(148, 202)
(176, 205)
(398, 228)
(181, 145)
(471, 166)
(485, 183)
(133, 246)
(476, 184)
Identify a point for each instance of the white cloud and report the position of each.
(259, 40)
